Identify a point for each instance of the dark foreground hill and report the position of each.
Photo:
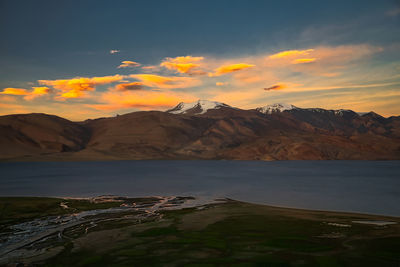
(205, 130)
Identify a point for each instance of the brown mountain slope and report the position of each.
(37, 134)
(223, 133)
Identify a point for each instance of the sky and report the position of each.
(89, 59)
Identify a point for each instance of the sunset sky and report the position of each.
(88, 59)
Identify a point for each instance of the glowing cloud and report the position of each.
(322, 61)
(28, 95)
(166, 82)
(114, 100)
(291, 53)
(230, 68)
(37, 92)
(182, 64)
(303, 60)
(182, 68)
(129, 86)
(74, 88)
(129, 64)
(40, 90)
(220, 84)
(183, 60)
(276, 87)
(14, 91)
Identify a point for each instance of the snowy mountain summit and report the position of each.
(278, 107)
(198, 107)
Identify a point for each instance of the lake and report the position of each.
(354, 186)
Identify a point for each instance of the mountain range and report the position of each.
(204, 130)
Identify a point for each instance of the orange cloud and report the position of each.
(129, 86)
(276, 87)
(220, 83)
(139, 99)
(129, 64)
(14, 91)
(291, 53)
(182, 64)
(303, 60)
(184, 60)
(74, 88)
(149, 67)
(230, 68)
(327, 61)
(28, 95)
(37, 91)
(40, 90)
(166, 82)
(182, 68)
(326, 55)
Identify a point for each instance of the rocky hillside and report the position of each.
(205, 130)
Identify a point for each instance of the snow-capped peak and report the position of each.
(278, 107)
(198, 107)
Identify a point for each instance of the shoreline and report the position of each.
(64, 158)
(90, 198)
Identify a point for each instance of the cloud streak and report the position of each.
(37, 92)
(128, 64)
(129, 86)
(291, 53)
(115, 100)
(14, 91)
(166, 82)
(75, 87)
(185, 64)
(27, 94)
(303, 60)
(225, 69)
(275, 87)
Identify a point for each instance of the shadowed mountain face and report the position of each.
(39, 134)
(215, 131)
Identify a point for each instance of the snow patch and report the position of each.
(202, 105)
(278, 107)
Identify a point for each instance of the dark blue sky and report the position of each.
(52, 39)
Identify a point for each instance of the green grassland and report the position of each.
(229, 234)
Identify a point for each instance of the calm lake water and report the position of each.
(360, 186)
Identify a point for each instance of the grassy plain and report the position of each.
(228, 234)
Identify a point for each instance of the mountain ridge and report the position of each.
(204, 130)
